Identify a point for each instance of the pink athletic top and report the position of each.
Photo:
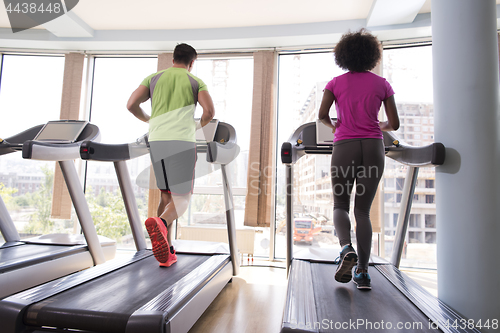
(358, 97)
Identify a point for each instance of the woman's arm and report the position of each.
(392, 123)
(324, 109)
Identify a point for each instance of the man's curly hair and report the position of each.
(357, 51)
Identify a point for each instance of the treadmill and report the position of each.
(29, 262)
(135, 294)
(317, 303)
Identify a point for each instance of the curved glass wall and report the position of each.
(302, 78)
(30, 95)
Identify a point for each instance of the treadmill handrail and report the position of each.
(43, 151)
(64, 154)
(303, 141)
(119, 154)
(7, 226)
(223, 150)
(96, 151)
(15, 143)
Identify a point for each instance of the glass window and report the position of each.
(301, 80)
(230, 84)
(430, 221)
(415, 237)
(31, 87)
(414, 221)
(30, 95)
(409, 71)
(114, 81)
(387, 221)
(400, 183)
(389, 182)
(429, 199)
(430, 238)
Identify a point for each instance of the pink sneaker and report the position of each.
(172, 259)
(158, 234)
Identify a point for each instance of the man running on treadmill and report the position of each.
(174, 93)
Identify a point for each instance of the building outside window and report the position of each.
(411, 80)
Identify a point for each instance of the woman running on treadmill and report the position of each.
(358, 153)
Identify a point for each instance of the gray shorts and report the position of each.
(174, 164)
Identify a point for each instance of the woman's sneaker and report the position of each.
(348, 259)
(362, 280)
(158, 234)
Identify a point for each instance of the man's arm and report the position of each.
(207, 104)
(140, 95)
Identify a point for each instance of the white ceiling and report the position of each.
(203, 14)
(156, 25)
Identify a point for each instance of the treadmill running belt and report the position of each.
(342, 307)
(106, 303)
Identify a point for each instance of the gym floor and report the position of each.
(252, 302)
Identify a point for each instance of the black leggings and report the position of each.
(360, 160)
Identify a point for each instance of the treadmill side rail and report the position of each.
(146, 321)
(172, 298)
(300, 315)
(186, 317)
(11, 314)
(169, 303)
(435, 309)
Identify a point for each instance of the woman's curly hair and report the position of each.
(357, 51)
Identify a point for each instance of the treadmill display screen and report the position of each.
(61, 131)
